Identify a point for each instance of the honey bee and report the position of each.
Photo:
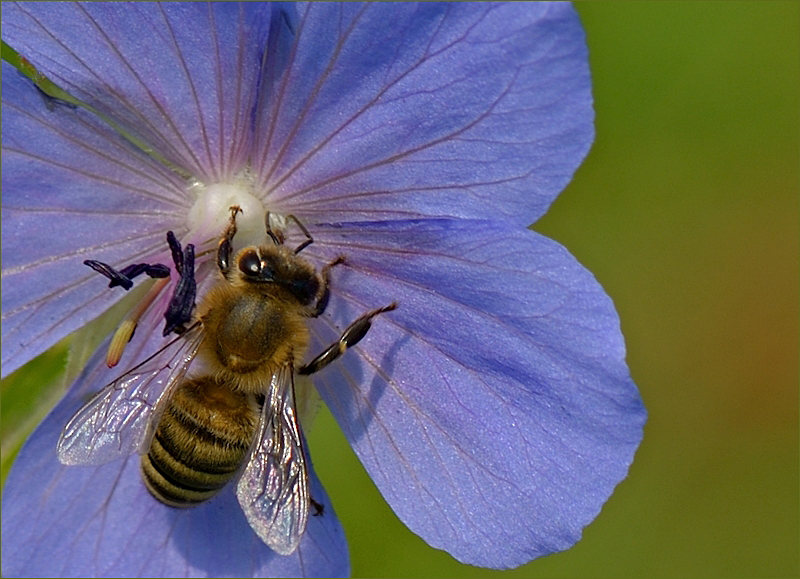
(223, 407)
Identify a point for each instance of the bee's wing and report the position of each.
(273, 487)
(117, 421)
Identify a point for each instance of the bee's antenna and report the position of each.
(275, 239)
(302, 227)
(278, 238)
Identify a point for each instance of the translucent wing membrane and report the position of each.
(273, 488)
(118, 421)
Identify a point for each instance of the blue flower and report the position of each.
(493, 409)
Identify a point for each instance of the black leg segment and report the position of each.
(322, 303)
(319, 508)
(350, 337)
(225, 248)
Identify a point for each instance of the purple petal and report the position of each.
(181, 76)
(493, 408)
(72, 189)
(102, 522)
(402, 110)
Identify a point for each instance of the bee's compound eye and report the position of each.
(250, 263)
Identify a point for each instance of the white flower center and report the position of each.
(210, 213)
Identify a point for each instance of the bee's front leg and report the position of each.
(325, 275)
(225, 248)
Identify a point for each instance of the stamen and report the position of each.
(124, 277)
(127, 327)
(179, 312)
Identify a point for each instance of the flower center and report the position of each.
(210, 213)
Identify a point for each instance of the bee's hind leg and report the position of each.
(350, 337)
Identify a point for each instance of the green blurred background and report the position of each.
(686, 210)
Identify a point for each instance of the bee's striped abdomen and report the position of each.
(200, 443)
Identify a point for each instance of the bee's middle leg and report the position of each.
(350, 337)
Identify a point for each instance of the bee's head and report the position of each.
(280, 266)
